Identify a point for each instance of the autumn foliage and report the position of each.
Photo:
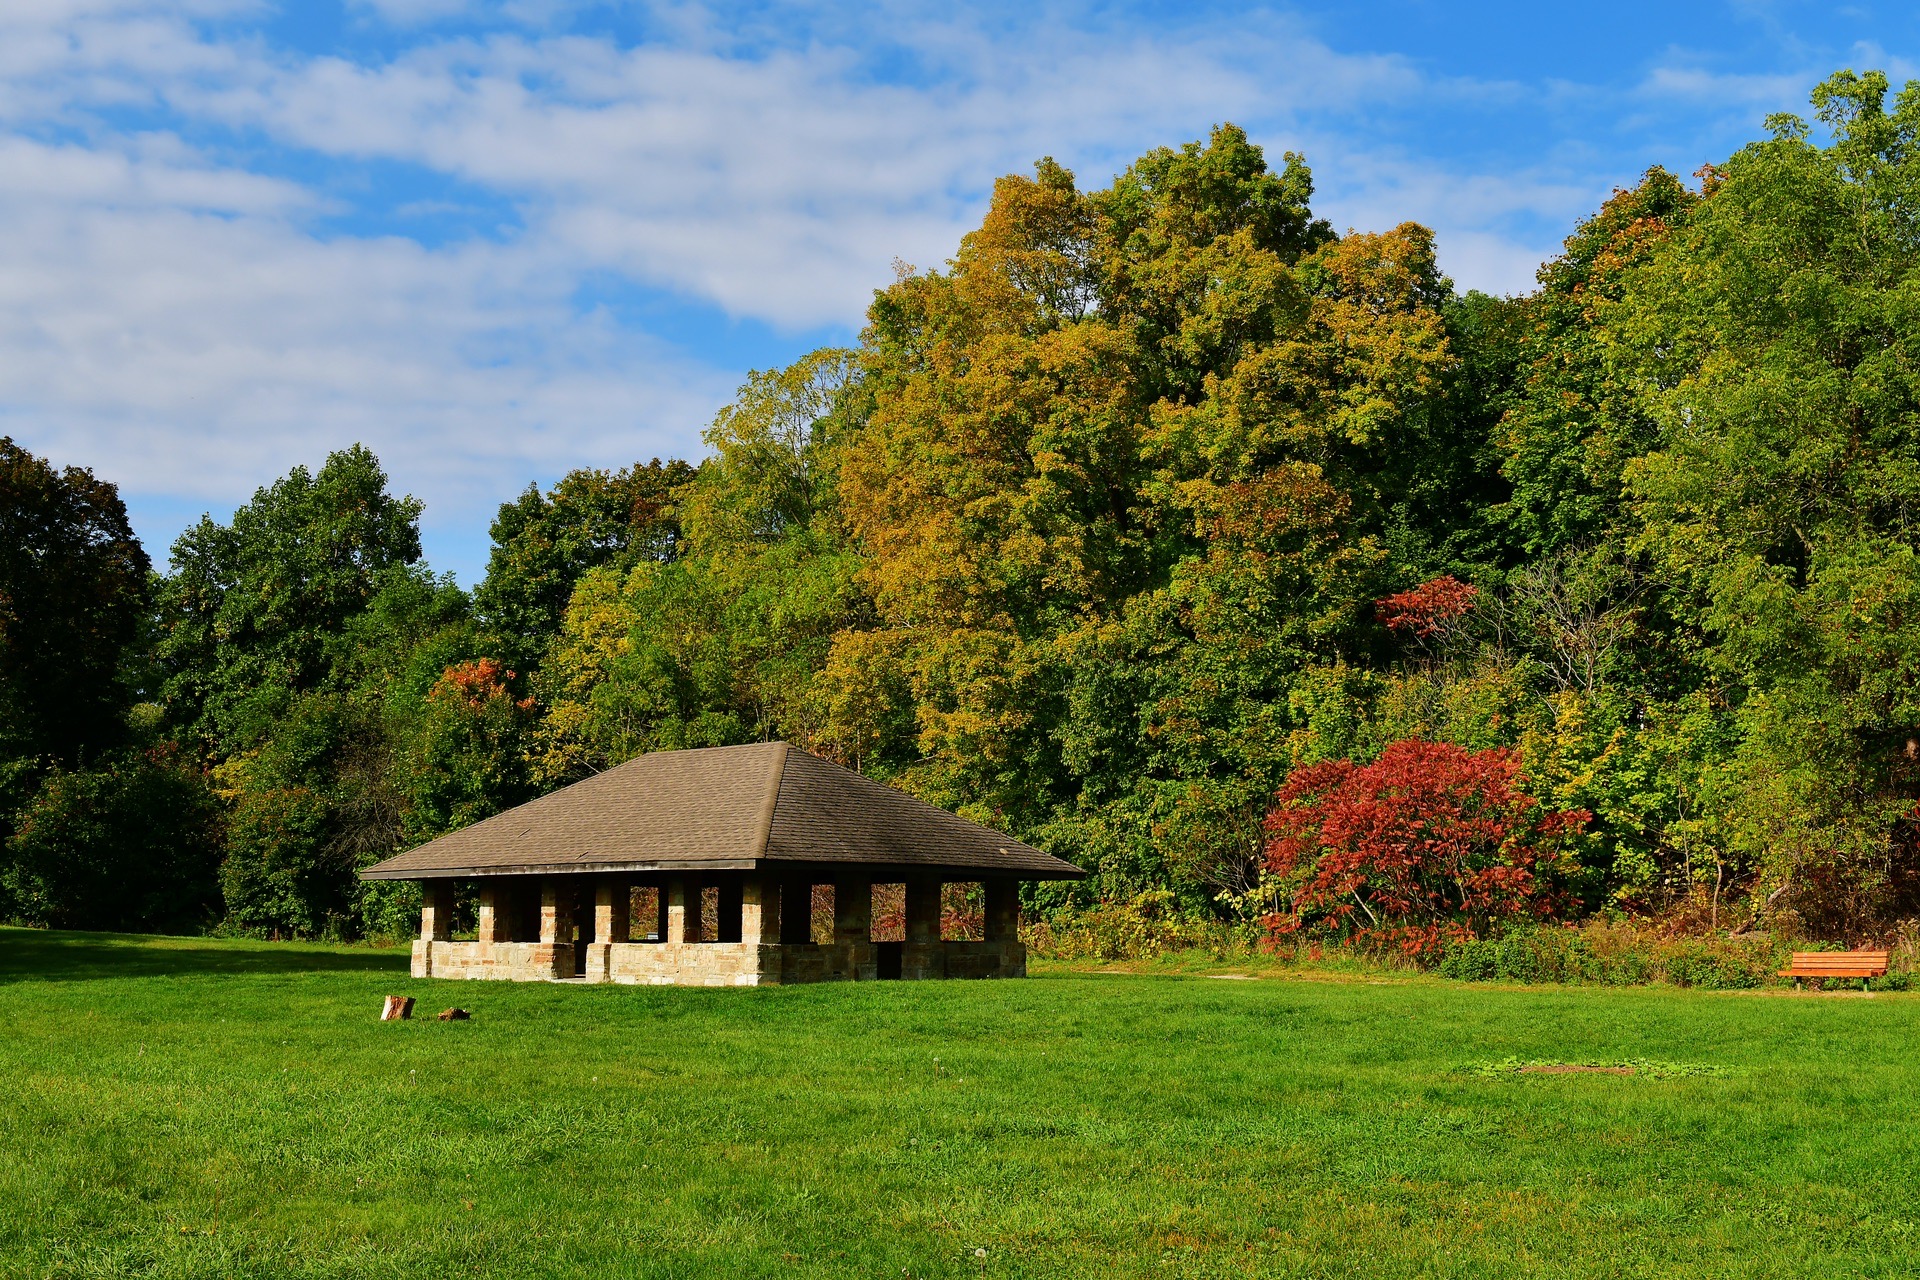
(1103, 531)
(1434, 608)
(1428, 843)
(476, 684)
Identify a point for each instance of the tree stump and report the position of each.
(397, 1007)
(454, 1015)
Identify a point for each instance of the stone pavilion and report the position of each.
(748, 832)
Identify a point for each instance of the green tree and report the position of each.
(723, 644)
(73, 591)
(302, 647)
(1775, 346)
(465, 748)
(131, 842)
(544, 543)
(1577, 417)
(255, 613)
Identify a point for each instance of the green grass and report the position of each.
(187, 1107)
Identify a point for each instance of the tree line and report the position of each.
(1153, 502)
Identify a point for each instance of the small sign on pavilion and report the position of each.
(752, 829)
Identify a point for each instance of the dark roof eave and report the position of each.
(1053, 869)
(559, 868)
(1062, 870)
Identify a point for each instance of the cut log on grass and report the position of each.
(454, 1015)
(397, 1007)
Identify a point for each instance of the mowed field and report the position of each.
(187, 1107)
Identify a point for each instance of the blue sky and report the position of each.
(495, 241)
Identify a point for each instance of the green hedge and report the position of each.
(1621, 955)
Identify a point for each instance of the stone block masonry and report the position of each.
(583, 932)
(713, 964)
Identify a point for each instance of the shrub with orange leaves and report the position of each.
(1429, 611)
(475, 684)
(1427, 844)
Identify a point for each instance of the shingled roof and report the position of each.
(721, 808)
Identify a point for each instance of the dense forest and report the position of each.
(1158, 502)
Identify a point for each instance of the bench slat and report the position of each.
(1843, 964)
(1836, 964)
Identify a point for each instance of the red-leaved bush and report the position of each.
(475, 684)
(1434, 608)
(1429, 843)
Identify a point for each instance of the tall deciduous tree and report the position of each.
(255, 613)
(1577, 416)
(722, 644)
(1776, 341)
(1132, 465)
(301, 646)
(544, 543)
(73, 590)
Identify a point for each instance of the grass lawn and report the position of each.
(186, 1107)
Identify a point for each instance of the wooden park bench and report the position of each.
(1836, 964)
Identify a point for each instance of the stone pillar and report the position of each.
(853, 925)
(496, 909)
(923, 955)
(612, 911)
(556, 913)
(796, 911)
(731, 900)
(760, 904)
(1007, 954)
(436, 924)
(553, 954)
(852, 908)
(683, 910)
(612, 923)
(923, 909)
(436, 911)
(1003, 910)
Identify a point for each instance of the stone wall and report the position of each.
(714, 964)
(1005, 958)
(827, 962)
(512, 961)
(687, 964)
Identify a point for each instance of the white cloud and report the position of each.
(409, 13)
(60, 57)
(1492, 264)
(1746, 92)
(776, 186)
(198, 347)
(155, 172)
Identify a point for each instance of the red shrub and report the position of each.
(1430, 609)
(1428, 842)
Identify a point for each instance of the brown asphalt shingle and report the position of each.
(721, 808)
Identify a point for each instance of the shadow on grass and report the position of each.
(45, 955)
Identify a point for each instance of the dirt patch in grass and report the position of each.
(1645, 1067)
